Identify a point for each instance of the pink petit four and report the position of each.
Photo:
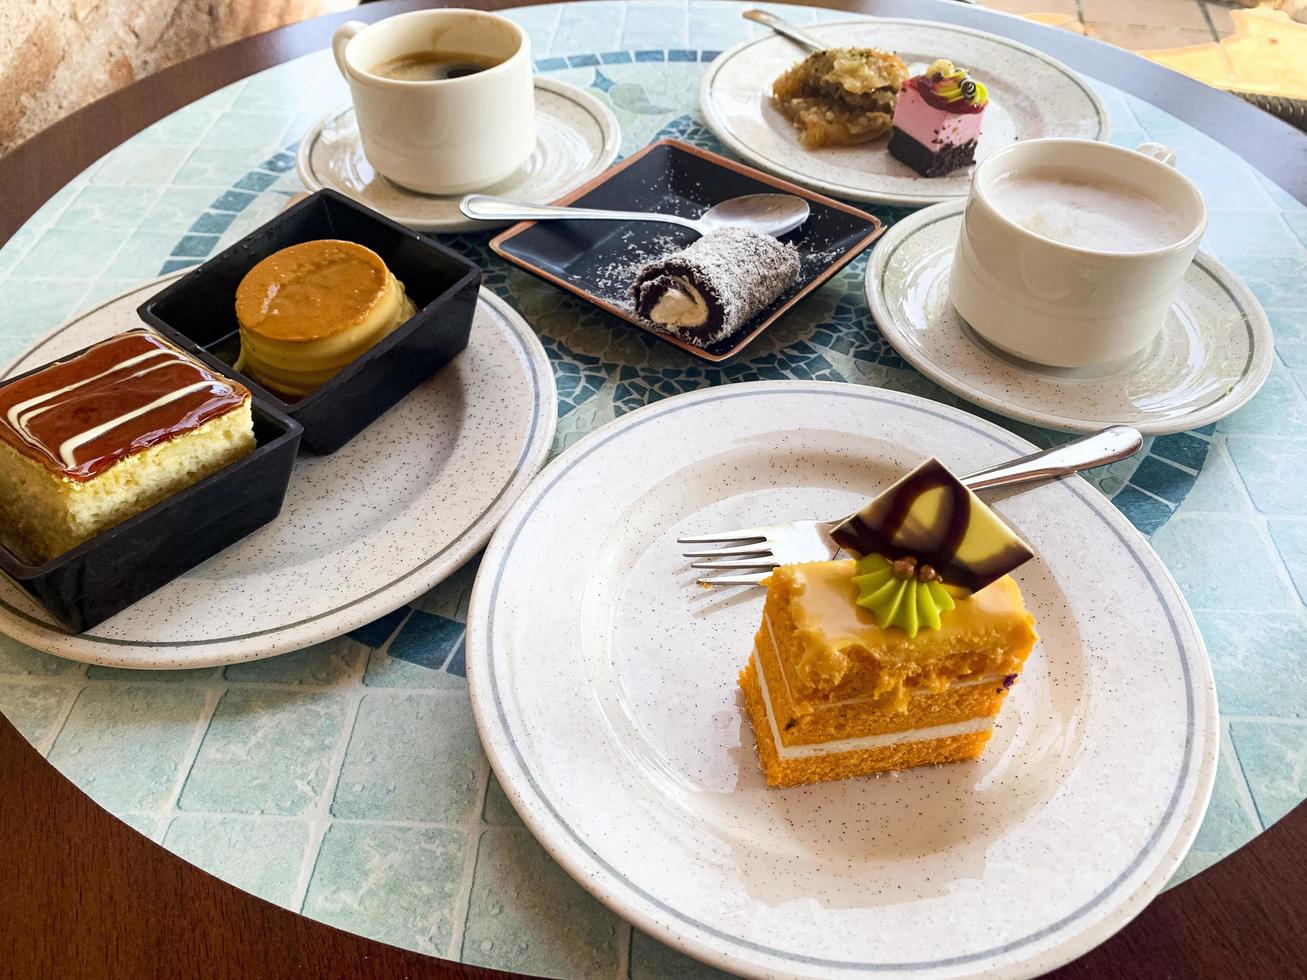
(937, 120)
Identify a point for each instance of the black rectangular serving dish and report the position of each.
(85, 586)
(198, 312)
(597, 260)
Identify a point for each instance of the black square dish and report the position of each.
(86, 585)
(198, 312)
(597, 260)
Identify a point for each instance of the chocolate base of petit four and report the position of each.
(924, 161)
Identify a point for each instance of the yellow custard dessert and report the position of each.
(309, 310)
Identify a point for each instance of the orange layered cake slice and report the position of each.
(901, 657)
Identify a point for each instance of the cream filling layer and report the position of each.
(838, 745)
(680, 306)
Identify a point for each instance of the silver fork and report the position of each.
(758, 550)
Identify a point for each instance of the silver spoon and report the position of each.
(785, 29)
(769, 214)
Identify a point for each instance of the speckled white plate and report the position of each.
(604, 686)
(362, 532)
(1031, 95)
(1211, 357)
(578, 137)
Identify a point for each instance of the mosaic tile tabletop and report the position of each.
(346, 781)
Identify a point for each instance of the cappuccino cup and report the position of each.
(445, 99)
(1072, 251)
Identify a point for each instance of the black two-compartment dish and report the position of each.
(198, 312)
(103, 576)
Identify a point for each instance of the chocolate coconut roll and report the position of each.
(712, 288)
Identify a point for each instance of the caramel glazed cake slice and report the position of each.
(91, 440)
(831, 695)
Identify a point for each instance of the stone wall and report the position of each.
(58, 55)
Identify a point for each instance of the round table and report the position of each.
(460, 876)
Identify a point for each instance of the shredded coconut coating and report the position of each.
(738, 272)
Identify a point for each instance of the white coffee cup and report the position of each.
(443, 136)
(1066, 305)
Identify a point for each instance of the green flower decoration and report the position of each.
(897, 595)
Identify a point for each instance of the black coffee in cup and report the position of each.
(433, 66)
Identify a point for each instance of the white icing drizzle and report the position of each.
(70, 446)
(21, 415)
(14, 415)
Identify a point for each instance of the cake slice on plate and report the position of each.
(96, 438)
(937, 120)
(900, 658)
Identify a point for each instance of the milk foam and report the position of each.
(1076, 209)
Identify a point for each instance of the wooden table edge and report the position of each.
(83, 894)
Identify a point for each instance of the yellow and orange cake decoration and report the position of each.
(899, 657)
(308, 311)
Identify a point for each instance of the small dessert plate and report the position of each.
(578, 136)
(361, 532)
(1211, 357)
(609, 708)
(598, 260)
(1030, 95)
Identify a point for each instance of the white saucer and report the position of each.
(1211, 357)
(363, 531)
(578, 137)
(1031, 96)
(603, 681)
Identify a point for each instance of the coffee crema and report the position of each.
(1073, 208)
(434, 66)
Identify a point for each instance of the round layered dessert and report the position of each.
(309, 310)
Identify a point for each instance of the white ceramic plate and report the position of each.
(604, 687)
(1211, 357)
(362, 532)
(1031, 95)
(578, 137)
